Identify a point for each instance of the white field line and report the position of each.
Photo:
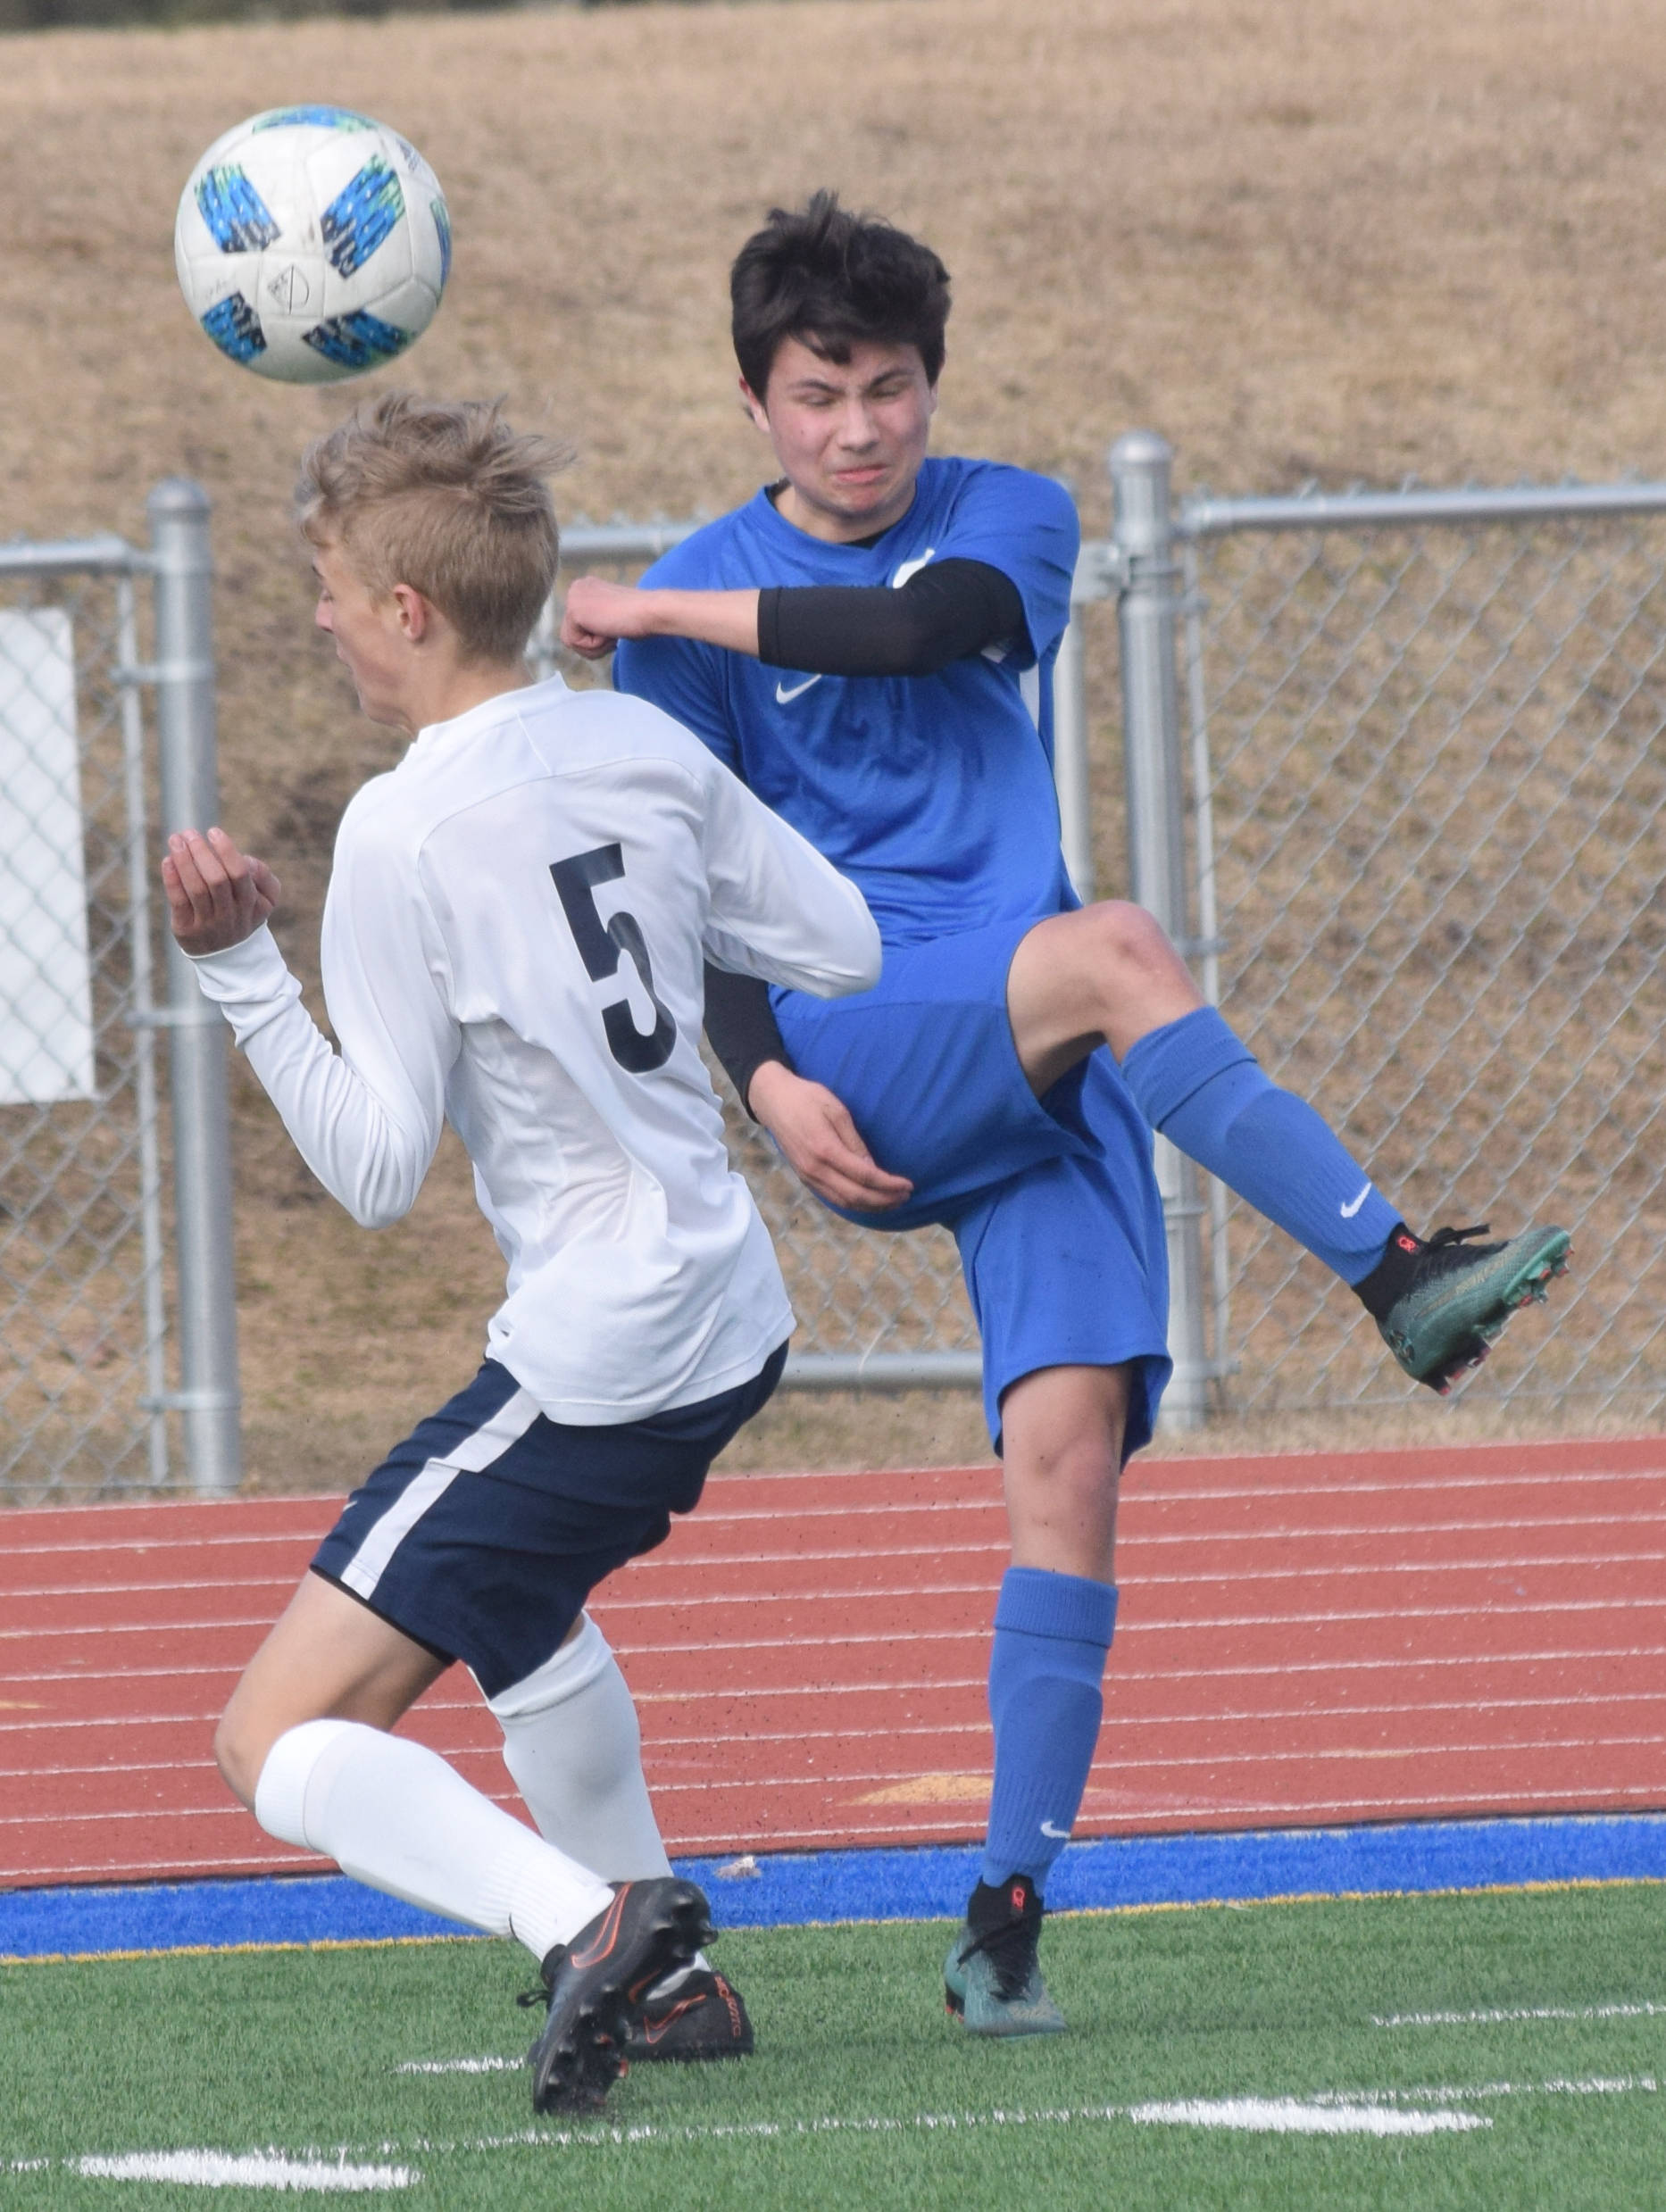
(1519, 2012)
(464, 2065)
(1289, 2116)
(1253, 2114)
(249, 2169)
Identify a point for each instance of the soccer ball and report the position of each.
(312, 244)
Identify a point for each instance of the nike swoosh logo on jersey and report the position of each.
(1348, 1212)
(783, 697)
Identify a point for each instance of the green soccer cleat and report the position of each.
(992, 1977)
(1461, 1294)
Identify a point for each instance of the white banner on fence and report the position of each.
(45, 982)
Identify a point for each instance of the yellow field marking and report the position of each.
(931, 1789)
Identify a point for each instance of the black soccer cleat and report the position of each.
(701, 2018)
(1455, 1296)
(598, 1981)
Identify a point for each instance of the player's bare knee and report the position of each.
(239, 1754)
(1129, 945)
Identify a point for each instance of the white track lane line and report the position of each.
(1490, 1609)
(1226, 1762)
(1145, 1491)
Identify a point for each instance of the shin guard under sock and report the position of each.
(1051, 1635)
(1203, 1088)
(394, 1815)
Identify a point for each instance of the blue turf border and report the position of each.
(791, 1889)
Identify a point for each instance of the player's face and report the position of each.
(849, 437)
(370, 635)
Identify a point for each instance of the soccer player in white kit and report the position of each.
(514, 940)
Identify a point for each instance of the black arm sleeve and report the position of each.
(741, 1028)
(946, 611)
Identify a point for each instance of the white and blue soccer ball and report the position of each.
(312, 244)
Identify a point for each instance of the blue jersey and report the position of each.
(933, 794)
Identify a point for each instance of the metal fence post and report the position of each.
(1143, 532)
(1069, 758)
(208, 1396)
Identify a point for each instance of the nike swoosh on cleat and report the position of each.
(1348, 1212)
(783, 697)
(606, 1936)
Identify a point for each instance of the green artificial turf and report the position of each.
(863, 2093)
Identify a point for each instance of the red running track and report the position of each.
(1304, 1640)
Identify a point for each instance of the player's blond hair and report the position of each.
(443, 496)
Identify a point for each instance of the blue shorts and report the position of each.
(1053, 1201)
(483, 1533)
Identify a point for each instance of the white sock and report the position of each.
(393, 1814)
(573, 1744)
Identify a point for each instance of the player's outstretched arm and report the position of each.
(598, 614)
(947, 612)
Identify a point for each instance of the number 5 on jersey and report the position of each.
(600, 946)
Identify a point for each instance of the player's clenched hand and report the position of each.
(815, 1132)
(216, 896)
(597, 614)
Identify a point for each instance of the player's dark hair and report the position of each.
(443, 496)
(832, 280)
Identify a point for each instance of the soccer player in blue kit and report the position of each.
(867, 643)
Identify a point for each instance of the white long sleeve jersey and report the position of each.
(512, 940)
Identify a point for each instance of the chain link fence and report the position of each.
(1428, 776)
(81, 1312)
(1420, 864)
(88, 1280)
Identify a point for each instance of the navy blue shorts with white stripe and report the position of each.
(481, 1535)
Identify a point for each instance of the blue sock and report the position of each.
(1051, 1635)
(1204, 1090)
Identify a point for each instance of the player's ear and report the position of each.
(415, 615)
(753, 405)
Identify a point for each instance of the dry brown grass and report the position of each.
(1325, 238)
